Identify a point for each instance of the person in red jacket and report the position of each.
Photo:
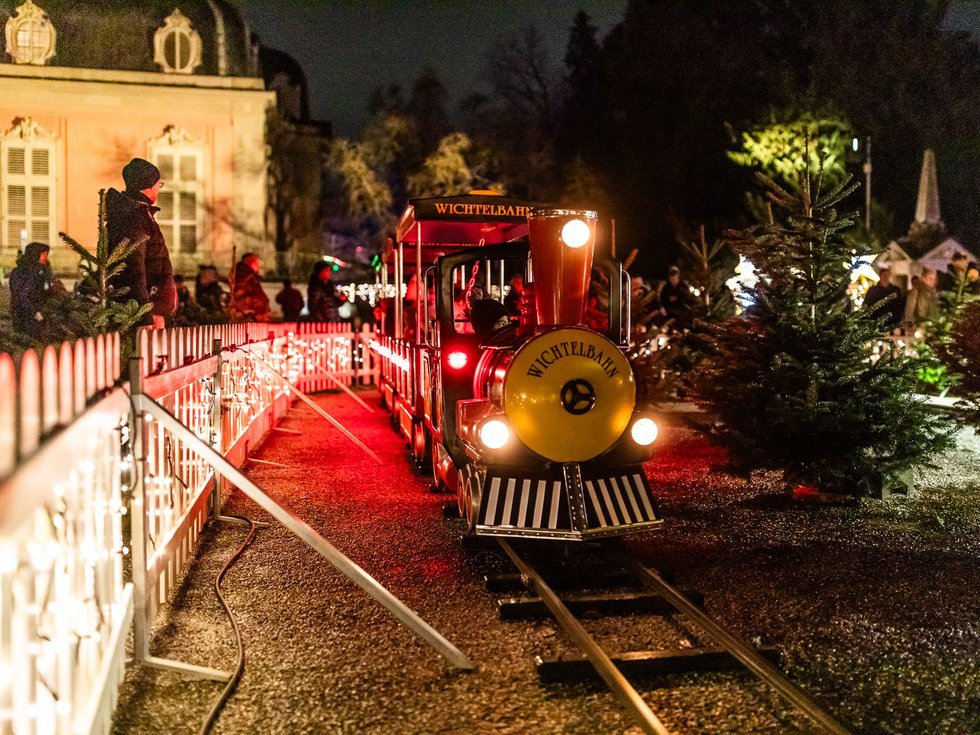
(248, 301)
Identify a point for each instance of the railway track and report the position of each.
(659, 597)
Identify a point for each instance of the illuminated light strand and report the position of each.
(76, 554)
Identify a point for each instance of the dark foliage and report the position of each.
(793, 378)
(962, 355)
(649, 109)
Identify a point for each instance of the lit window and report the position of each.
(27, 194)
(181, 217)
(30, 35)
(176, 45)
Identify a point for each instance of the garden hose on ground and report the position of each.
(240, 669)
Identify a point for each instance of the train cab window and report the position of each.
(479, 289)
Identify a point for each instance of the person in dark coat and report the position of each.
(207, 290)
(321, 294)
(893, 309)
(676, 300)
(290, 301)
(488, 315)
(248, 301)
(513, 298)
(30, 286)
(130, 215)
(922, 302)
(955, 274)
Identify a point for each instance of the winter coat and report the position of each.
(921, 305)
(208, 292)
(30, 286)
(892, 310)
(291, 301)
(148, 275)
(248, 301)
(677, 303)
(322, 301)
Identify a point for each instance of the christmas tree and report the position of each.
(962, 355)
(101, 308)
(794, 378)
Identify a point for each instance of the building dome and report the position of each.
(284, 75)
(201, 37)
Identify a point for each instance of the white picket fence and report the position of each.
(75, 459)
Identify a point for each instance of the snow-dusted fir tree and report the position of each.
(793, 378)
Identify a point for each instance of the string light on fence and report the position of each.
(72, 561)
(9, 558)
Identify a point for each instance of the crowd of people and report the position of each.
(148, 275)
(920, 304)
(149, 279)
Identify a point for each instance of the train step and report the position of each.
(618, 603)
(646, 663)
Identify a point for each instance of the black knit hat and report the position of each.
(140, 174)
(33, 251)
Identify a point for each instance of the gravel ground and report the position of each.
(876, 606)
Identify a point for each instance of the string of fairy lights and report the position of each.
(62, 575)
(60, 586)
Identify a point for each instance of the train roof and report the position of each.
(465, 219)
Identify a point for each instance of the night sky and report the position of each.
(349, 48)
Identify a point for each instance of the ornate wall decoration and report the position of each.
(30, 35)
(176, 45)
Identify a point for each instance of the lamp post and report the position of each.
(867, 183)
(855, 146)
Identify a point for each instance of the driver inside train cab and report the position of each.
(488, 315)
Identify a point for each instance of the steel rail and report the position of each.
(613, 677)
(747, 655)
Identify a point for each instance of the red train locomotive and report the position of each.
(526, 414)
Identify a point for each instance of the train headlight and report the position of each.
(494, 434)
(575, 233)
(644, 431)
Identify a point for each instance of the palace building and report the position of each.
(85, 87)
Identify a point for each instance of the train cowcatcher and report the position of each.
(530, 418)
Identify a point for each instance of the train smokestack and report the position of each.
(562, 246)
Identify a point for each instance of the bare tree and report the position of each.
(518, 120)
(295, 154)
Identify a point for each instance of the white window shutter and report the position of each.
(16, 201)
(188, 168)
(15, 161)
(40, 202)
(40, 161)
(27, 170)
(180, 215)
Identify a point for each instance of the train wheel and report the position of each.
(420, 445)
(437, 483)
(469, 495)
(439, 458)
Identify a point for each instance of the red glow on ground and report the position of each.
(438, 569)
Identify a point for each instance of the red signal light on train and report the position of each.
(457, 359)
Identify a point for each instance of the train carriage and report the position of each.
(529, 418)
